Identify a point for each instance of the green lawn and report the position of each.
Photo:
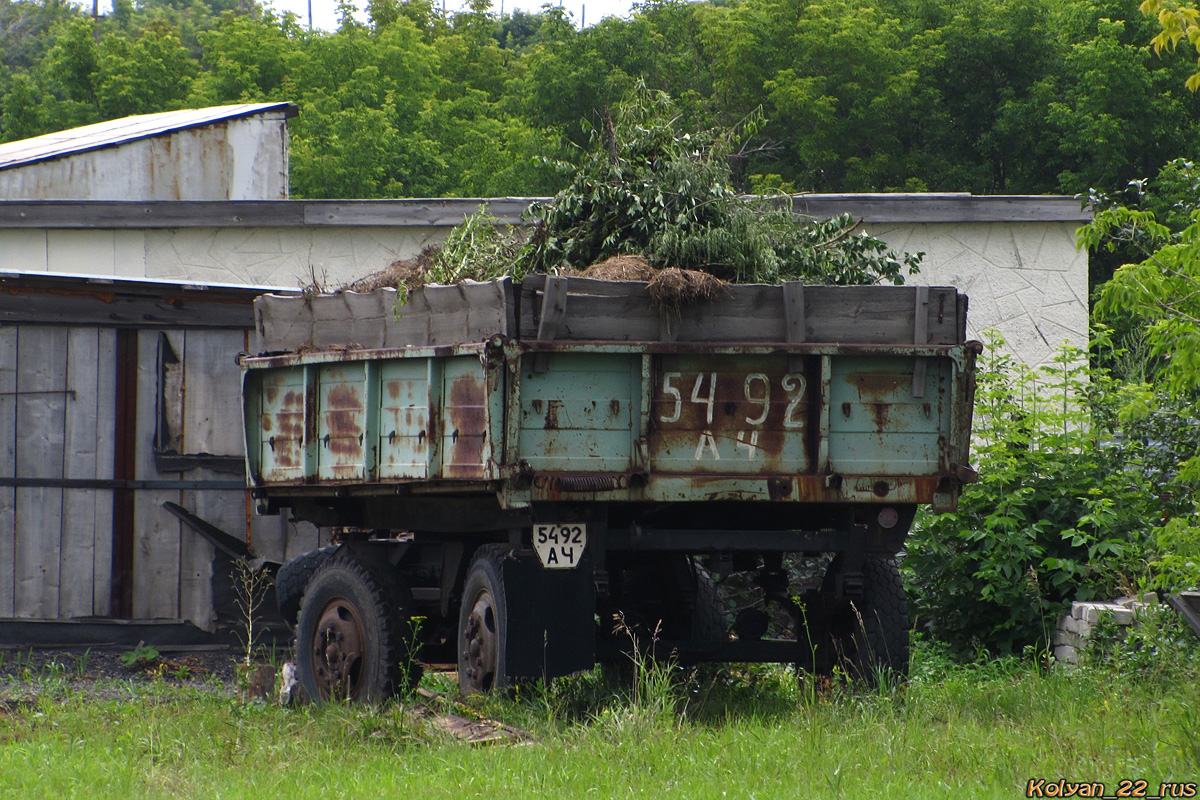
(981, 730)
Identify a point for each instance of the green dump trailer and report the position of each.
(512, 471)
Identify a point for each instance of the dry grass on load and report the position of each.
(407, 274)
(618, 268)
(672, 288)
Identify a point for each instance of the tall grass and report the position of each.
(980, 730)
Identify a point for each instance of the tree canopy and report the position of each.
(1015, 96)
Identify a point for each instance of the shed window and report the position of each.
(179, 427)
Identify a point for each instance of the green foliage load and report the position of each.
(646, 187)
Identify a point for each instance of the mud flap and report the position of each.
(551, 617)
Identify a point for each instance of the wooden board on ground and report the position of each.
(439, 711)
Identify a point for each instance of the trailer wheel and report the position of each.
(294, 576)
(709, 624)
(870, 634)
(354, 639)
(483, 624)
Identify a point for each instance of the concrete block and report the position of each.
(1092, 613)
(1066, 654)
(1140, 610)
(1121, 616)
(1079, 626)
(1068, 638)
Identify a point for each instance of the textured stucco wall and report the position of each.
(1024, 279)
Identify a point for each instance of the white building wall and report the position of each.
(1024, 279)
(285, 257)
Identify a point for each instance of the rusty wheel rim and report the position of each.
(338, 649)
(481, 644)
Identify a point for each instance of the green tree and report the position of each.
(1162, 289)
(149, 72)
(20, 109)
(1178, 22)
(25, 27)
(75, 61)
(246, 59)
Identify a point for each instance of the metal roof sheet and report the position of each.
(120, 283)
(127, 129)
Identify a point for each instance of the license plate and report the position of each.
(560, 546)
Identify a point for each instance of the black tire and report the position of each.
(354, 635)
(870, 633)
(483, 624)
(294, 576)
(710, 626)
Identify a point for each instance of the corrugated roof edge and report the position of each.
(442, 212)
(116, 132)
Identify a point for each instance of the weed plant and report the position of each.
(250, 583)
(1159, 648)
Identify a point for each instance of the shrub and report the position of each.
(1062, 511)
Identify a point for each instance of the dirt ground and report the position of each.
(101, 673)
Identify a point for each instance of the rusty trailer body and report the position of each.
(565, 460)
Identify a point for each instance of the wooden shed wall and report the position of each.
(57, 395)
(60, 535)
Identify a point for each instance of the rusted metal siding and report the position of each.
(881, 422)
(281, 417)
(346, 420)
(404, 420)
(463, 428)
(648, 422)
(341, 422)
(579, 414)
